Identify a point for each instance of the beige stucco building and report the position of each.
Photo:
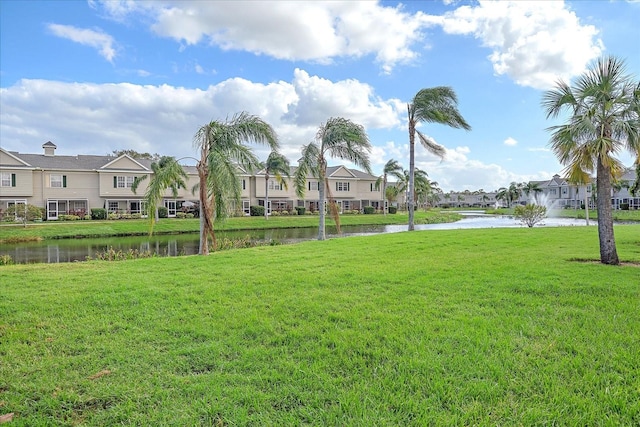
(75, 184)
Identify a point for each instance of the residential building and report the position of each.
(74, 184)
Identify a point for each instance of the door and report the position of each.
(246, 208)
(171, 208)
(52, 209)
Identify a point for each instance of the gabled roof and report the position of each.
(18, 160)
(339, 171)
(125, 162)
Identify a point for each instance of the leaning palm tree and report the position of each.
(340, 138)
(167, 174)
(278, 166)
(604, 120)
(432, 105)
(222, 151)
(393, 168)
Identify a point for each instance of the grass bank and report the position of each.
(451, 327)
(79, 229)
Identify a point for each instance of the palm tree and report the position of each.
(222, 152)
(635, 187)
(531, 187)
(278, 166)
(167, 174)
(604, 119)
(432, 105)
(340, 138)
(393, 168)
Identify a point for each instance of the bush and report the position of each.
(300, 210)
(68, 217)
(114, 215)
(256, 210)
(23, 213)
(181, 215)
(163, 212)
(98, 213)
(190, 215)
(275, 213)
(87, 217)
(368, 210)
(530, 214)
(6, 260)
(393, 209)
(624, 206)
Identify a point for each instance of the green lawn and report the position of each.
(75, 229)
(453, 327)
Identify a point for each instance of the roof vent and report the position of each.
(49, 148)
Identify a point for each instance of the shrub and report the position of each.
(530, 214)
(256, 210)
(68, 217)
(368, 210)
(393, 209)
(86, 217)
(6, 260)
(181, 215)
(300, 210)
(163, 212)
(23, 213)
(624, 206)
(114, 215)
(275, 213)
(98, 213)
(190, 215)
(284, 213)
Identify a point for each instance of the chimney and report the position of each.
(49, 148)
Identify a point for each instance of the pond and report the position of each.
(70, 250)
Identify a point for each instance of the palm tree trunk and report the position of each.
(384, 192)
(321, 212)
(204, 243)
(266, 196)
(608, 252)
(412, 161)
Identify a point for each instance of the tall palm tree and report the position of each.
(393, 168)
(635, 187)
(603, 104)
(167, 174)
(222, 151)
(278, 166)
(431, 105)
(340, 138)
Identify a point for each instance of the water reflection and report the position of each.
(70, 250)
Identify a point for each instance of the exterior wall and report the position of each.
(24, 183)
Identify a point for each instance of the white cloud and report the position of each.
(510, 142)
(318, 31)
(92, 38)
(533, 42)
(164, 118)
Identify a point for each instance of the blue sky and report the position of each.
(98, 76)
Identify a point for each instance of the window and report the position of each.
(274, 185)
(244, 184)
(342, 186)
(313, 186)
(122, 181)
(375, 187)
(58, 181)
(114, 206)
(7, 179)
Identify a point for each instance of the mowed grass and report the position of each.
(458, 327)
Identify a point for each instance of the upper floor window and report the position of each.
(7, 179)
(244, 184)
(375, 186)
(122, 181)
(342, 186)
(274, 185)
(313, 185)
(57, 181)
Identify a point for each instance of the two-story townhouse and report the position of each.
(74, 184)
